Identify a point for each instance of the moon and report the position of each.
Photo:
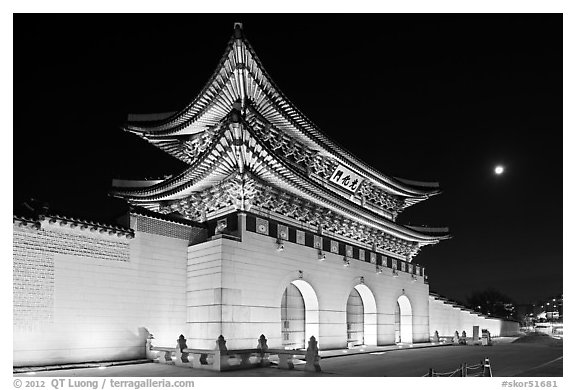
(499, 170)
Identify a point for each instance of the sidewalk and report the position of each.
(144, 367)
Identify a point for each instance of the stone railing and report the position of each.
(485, 340)
(223, 359)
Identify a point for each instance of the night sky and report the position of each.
(425, 97)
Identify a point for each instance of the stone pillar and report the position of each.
(475, 333)
(220, 355)
(180, 355)
(150, 354)
(263, 348)
(312, 356)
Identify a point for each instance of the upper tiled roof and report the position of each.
(240, 81)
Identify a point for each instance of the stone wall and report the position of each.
(83, 294)
(446, 319)
(235, 289)
(91, 293)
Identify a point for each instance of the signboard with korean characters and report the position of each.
(345, 178)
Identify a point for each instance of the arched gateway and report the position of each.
(403, 320)
(361, 317)
(299, 316)
(265, 191)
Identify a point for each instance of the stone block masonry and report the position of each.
(33, 267)
(235, 289)
(89, 292)
(446, 318)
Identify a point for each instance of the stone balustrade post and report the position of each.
(181, 357)
(312, 356)
(221, 355)
(150, 354)
(263, 348)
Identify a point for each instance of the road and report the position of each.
(512, 359)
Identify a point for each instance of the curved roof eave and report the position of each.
(184, 179)
(176, 119)
(292, 178)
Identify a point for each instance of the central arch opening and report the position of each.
(299, 315)
(361, 317)
(354, 319)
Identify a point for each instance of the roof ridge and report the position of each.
(78, 221)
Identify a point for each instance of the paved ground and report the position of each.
(529, 356)
(507, 359)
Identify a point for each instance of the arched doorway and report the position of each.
(299, 316)
(293, 317)
(403, 320)
(354, 319)
(361, 316)
(397, 337)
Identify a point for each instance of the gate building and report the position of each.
(271, 229)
